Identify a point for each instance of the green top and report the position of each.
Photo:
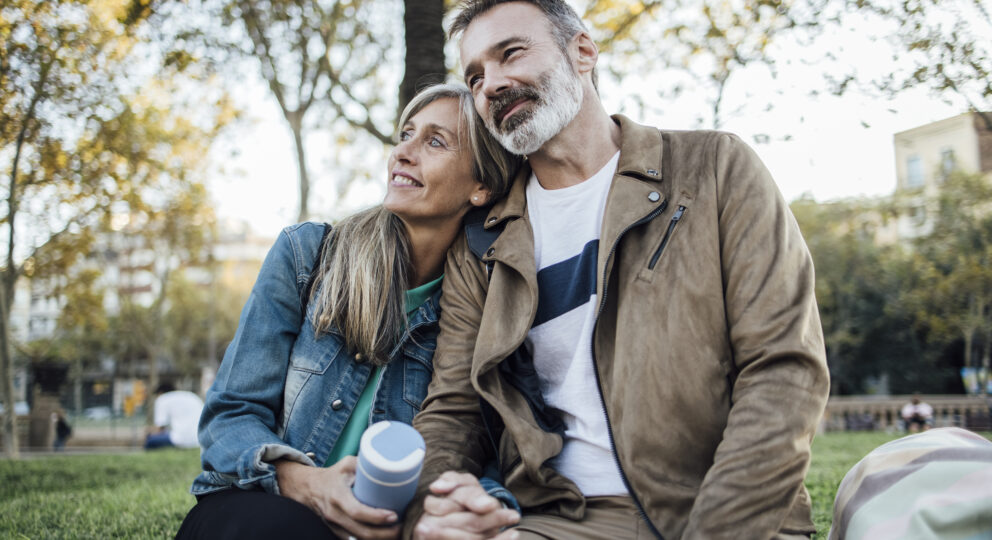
(351, 435)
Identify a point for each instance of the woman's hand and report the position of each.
(327, 491)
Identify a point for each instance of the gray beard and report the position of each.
(524, 133)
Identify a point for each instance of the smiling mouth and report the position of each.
(510, 109)
(401, 180)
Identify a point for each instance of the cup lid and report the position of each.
(392, 446)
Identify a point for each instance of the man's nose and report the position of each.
(495, 82)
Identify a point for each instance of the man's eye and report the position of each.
(509, 52)
(474, 80)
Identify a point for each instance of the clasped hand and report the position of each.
(457, 509)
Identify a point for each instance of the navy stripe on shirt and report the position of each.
(566, 285)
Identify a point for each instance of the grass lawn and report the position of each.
(144, 495)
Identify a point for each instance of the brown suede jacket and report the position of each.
(707, 347)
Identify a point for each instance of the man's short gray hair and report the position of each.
(565, 22)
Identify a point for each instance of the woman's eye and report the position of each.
(405, 135)
(436, 142)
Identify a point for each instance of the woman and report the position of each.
(321, 353)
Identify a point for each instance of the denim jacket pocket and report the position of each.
(313, 353)
(417, 372)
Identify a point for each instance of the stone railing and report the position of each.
(882, 412)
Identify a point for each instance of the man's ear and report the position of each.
(585, 52)
(480, 195)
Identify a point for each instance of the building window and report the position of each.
(918, 216)
(947, 163)
(914, 172)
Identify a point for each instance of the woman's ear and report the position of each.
(480, 196)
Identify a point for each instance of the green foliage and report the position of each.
(941, 45)
(916, 312)
(89, 136)
(702, 43)
(321, 60)
(199, 324)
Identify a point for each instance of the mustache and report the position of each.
(510, 96)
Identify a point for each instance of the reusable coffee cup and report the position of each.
(390, 457)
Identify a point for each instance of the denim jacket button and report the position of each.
(358, 357)
(336, 404)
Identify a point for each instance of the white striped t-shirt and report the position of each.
(567, 225)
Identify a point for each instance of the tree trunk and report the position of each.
(10, 273)
(969, 340)
(77, 388)
(986, 351)
(155, 351)
(10, 441)
(424, 64)
(295, 119)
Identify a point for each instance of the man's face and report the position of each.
(524, 87)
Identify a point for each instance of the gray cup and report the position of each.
(390, 457)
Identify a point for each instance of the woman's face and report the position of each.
(430, 169)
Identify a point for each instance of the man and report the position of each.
(640, 345)
(916, 415)
(177, 413)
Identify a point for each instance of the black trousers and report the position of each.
(245, 515)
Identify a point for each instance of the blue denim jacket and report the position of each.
(284, 393)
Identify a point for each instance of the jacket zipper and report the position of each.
(664, 241)
(602, 400)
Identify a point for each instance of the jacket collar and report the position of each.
(641, 150)
(515, 203)
(429, 311)
(641, 156)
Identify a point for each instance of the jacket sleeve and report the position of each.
(238, 427)
(450, 421)
(782, 382)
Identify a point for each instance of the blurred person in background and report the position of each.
(916, 415)
(177, 413)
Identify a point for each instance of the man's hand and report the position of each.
(327, 491)
(459, 509)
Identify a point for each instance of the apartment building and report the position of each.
(927, 154)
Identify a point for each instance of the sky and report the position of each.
(826, 146)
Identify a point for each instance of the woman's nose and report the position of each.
(404, 151)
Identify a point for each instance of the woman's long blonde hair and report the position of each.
(361, 286)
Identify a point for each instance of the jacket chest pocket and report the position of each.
(418, 369)
(673, 225)
(312, 354)
(660, 248)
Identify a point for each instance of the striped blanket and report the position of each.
(935, 484)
